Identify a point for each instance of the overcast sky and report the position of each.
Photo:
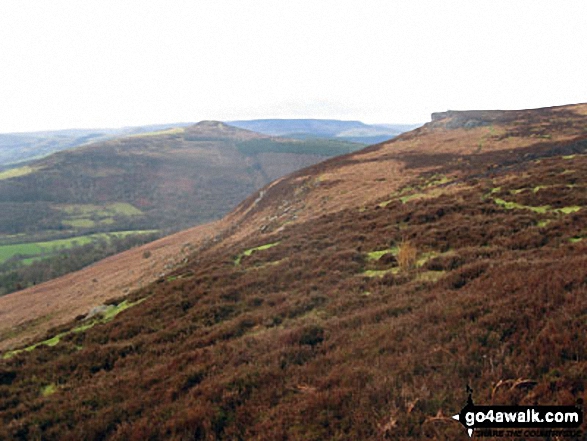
(83, 64)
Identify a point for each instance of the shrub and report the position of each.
(406, 255)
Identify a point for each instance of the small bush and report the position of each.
(406, 255)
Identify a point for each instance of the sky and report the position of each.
(96, 64)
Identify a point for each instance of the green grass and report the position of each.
(87, 215)
(430, 194)
(124, 209)
(380, 273)
(541, 209)
(569, 156)
(172, 131)
(438, 180)
(105, 317)
(16, 172)
(411, 197)
(50, 389)
(575, 239)
(537, 188)
(250, 251)
(513, 205)
(420, 262)
(376, 255)
(34, 250)
(568, 210)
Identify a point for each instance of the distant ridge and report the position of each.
(355, 131)
(25, 146)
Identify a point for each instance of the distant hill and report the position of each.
(20, 147)
(354, 131)
(161, 180)
(357, 299)
(157, 182)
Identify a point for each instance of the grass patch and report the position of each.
(415, 196)
(569, 156)
(430, 276)
(376, 255)
(87, 215)
(513, 205)
(123, 208)
(380, 273)
(568, 210)
(438, 180)
(411, 197)
(575, 239)
(172, 131)
(541, 209)
(16, 172)
(104, 317)
(48, 390)
(250, 251)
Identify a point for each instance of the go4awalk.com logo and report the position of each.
(562, 421)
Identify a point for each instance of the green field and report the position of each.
(89, 215)
(35, 250)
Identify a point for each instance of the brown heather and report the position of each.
(312, 338)
(406, 255)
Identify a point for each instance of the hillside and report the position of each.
(159, 181)
(354, 131)
(354, 299)
(20, 147)
(164, 180)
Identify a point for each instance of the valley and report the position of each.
(153, 182)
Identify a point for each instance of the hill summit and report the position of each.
(219, 129)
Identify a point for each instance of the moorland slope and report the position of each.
(355, 299)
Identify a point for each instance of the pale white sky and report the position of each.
(81, 64)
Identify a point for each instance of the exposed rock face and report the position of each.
(453, 119)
